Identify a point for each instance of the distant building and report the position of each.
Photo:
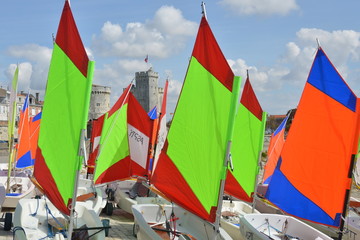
(100, 101)
(35, 106)
(146, 90)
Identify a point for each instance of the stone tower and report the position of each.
(100, 101)
(146, 89)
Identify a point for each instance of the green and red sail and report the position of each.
(124, 143)
(190, 165)
(249, 128)
(64, 114)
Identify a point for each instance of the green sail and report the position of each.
(197, 137)
(64, 115)
(114, 144)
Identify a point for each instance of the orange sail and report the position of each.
(313, 173)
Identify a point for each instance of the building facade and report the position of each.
(146, 90)
(100, 101)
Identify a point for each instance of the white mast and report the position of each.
(203, 10)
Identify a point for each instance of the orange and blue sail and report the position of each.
(24, 157)
(153, 113)
(276, 144)
(189, 169)
(124, 143)
(312, 174)
(154, 117)
(34, 133)
(64, 114)
(246, 146)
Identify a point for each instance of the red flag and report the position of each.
(147, 58)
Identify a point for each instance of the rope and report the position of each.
(37, 208)
(50, 233)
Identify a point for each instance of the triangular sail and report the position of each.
(124, 142)
(64, 114)
(276, 144)
(24, 157)
(189, 167)
(153, 113)
(246, 146)
(312, 175)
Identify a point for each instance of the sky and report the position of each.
(275, 40)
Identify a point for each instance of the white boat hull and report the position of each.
(32, 216)
(152, 216)
(274, 226)
(20, 187)
(230, 216)
(123, 200)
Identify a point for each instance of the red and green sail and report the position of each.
(64, 114)
(124, 143)
(190, 165)
(96, 127)
(246, 146)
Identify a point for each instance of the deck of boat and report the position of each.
(121, 224)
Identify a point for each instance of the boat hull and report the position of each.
(274, 226)
(230, 216)
(32, 216)
(149, 217)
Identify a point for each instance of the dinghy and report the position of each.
(272, 226)
(327, 117)
(153, 222)
(231, 213)
(61, 140)
(39, 219)
(192, 166)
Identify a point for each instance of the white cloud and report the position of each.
(32, 52)
(279, 87)
(25, 71)
(32, 73)
(260, 7)
(160, 37)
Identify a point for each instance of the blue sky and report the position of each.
(274, 39)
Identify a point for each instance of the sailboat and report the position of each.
(17, 183)
(130, 192)
(247, 144)
(321, 144)
(277, 141)
(191, 169)
(62, 130)
(123, 149)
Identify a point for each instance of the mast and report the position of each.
(82, 149)
(230, 130)
(350, 173)
(203, 12)
(11, 124)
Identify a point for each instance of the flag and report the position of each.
(147, 58)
